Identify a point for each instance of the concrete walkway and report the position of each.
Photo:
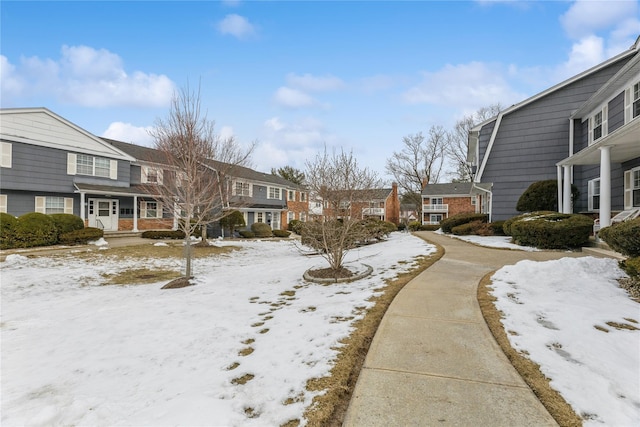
(433, 360)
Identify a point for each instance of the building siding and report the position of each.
(616, 113)
(533, 138)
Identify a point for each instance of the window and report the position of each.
(303, 197)
(242, 189)
(632, 188)
(635, 101)
(292, 195)
(151, 175)
(598, 125)
(290, 216)
(5, 160)
(274, 193)
(51, 205)
(435, 218)
(594, 194)
(83, 164)
(436, 200)
(150, 210)
(259, 217)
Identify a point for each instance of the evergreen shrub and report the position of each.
(552, 231)
(232, 221)
(66, 223)
(631, 266)
(261, 229)
(476, 228)
(428, 227)
(163, 234)
(463, 218)
(506, 227)
(623, 237)
(81, 237)
(35, 229)
(542, 196)
(247, 234)
(281, 233)
(295, 225)
(8, 224)
(497, 227)
(415, 225)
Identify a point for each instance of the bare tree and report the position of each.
(345, 189)
(419, 162)
(458, 141)
(196, 191)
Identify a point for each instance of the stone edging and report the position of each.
(306, 276)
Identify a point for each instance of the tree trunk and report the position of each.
(187, 255)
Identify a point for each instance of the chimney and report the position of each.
(425, 181)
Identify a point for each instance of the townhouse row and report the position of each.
(51, 165)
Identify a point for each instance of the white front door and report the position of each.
(103, 214)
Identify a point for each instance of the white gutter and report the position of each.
(485, 158)
(490, 193)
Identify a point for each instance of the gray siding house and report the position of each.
(50, 165)
(582, 131)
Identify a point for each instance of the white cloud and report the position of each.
(11, 82)
(226, 132)
(127, 132)
(237, 26)
(584, 54)
(471, 85)
(88, 77)
(293, 98)
(585, 17)
(308, 82)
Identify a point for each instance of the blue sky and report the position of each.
(298, 75)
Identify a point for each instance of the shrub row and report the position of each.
(623, 237)
(163, 234)
(81, 237)
(464, 218)
(418, 226)
(550, 230)
(37, 229)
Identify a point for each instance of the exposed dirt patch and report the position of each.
(180, 282)
(140, 276)
(631, 285)
(559, 409)
(328, 273)
(329, 409)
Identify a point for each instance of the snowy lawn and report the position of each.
(499, 242)
(236, 349)
(571, 318)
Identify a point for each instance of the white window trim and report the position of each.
(629, 187)
(41, 204)
(3, 203)
(6, 156)
(604, 109)
(145, 175)
(590, 195)
(628, 101)
(269, 189)
(143, 209)
(72, 166)
(235, 191)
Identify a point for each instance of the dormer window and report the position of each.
(151, 175)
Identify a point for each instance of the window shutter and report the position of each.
(72, 163)
(605, 120)
(143, 174)
(590, 196)
(143, 209)
(628, 189)
(3, 203)
(160, 176)
(627, 105)
(68, 205)
(159, 210)
(590, 131)
(5, 160)
(113, 172)
(41, 204)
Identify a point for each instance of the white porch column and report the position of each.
(566, 191)
(135, 214)
(605, 187)
(559, 178)
(82, 209)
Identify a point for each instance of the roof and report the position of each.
(133, 190)
(461, 189)
(152, 155)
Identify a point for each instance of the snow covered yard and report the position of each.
(571, 317)
(237, 349)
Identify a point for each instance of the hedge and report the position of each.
(552, 231)
(542, 196)
(281, 233)
(623, 237)
(35, 229)
(163, 234)
(463, 218)
(506, 227)
(66, 223)
(477, 228)
(247, 234)
(8, 224)
(81, 237)
(261, 229)
(295, 225)
(415, 225)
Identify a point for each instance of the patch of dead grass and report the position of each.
(329, 409)
(559, 409)
(172, 250)
(243, 379)
(138, 276)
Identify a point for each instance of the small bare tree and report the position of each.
(198, 159)
(458, 141)
(345, 189)
(420, 161)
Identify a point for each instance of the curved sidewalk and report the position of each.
(433, 360)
